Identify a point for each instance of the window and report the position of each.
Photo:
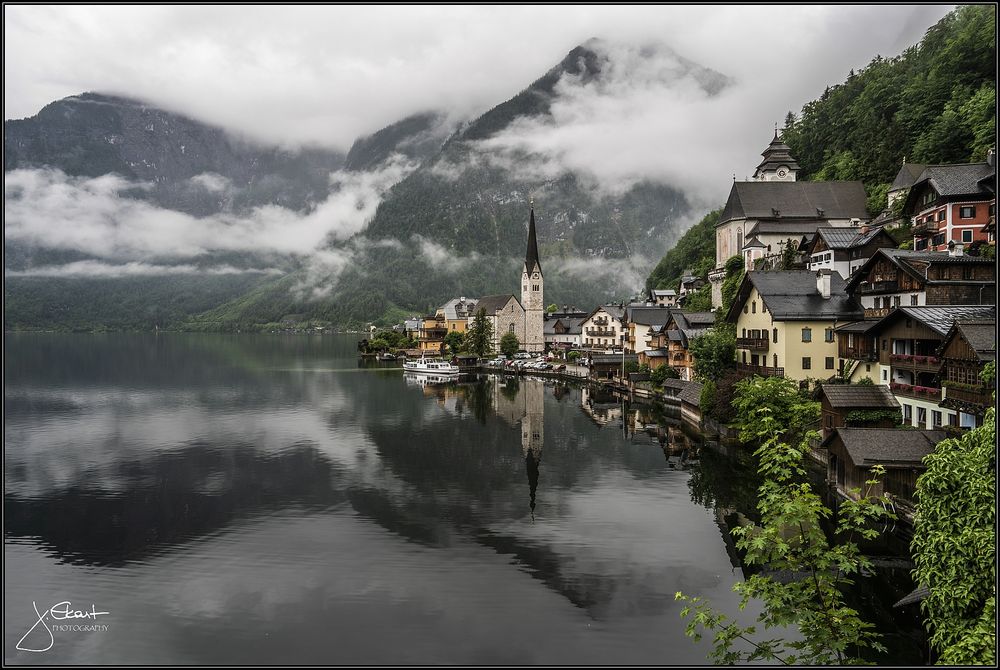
(746, 308)
(534, 287)
(744, 333)
(807, 363)
(524, 287)
(966, 235)
(895, 301)
(913, 299)
(909, 323)
(775, 335)
(941, 215)
(807, 334)
(952, 419)
(885, 344)
(936, 418)
(829, 334)
(775, 360)
(510, 329)
(744, 357)
(968, 212)
(753, 307)
(921, 416)
(763, 307)
(868, 367)
(938, 240)
(829, 362)
(907, 413)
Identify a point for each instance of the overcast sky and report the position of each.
(328, 74)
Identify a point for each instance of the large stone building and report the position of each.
(773, 210)
(504, 314)
(533, 295)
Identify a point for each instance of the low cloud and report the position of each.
(47, 208)
(91, 268)
(211, 182)
(321, 270)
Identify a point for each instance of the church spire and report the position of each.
(531, 255)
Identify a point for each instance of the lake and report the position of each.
(259, 499)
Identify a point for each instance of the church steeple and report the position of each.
(531, 255)
(778, 163)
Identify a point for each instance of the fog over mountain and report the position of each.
(331, 168)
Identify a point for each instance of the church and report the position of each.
(525, 318)
(772, 209)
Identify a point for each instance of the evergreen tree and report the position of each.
(479, 337)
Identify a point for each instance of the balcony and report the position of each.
(858, 353)
(916, 362)
(977, 399)
(924, 229)
(877, 312)
(928, 393)
(879, 287)
(600, 332)
(746, 370)
(752, 343)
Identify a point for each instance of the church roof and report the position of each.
(907, 175)
(491, 303)
(782, 200)
(531, 255)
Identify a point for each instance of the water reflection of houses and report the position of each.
(603, 407)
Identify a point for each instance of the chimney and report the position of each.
(956, 250)
(823, 283)
(865, 228)
(991, 158)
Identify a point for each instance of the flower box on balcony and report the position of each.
(919, 359)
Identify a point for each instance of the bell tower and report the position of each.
(533, 293)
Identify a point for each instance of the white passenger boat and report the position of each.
(431, 366)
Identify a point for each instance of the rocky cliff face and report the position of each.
(189, 166)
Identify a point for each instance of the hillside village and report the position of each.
(890, 334)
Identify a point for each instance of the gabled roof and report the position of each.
(980, 334)
(950, 181)
(842, 239)
(664, 293)
(858, 326)
(456, 308)
(791, 227)
(939, 318)
(492, 303)
(871, 446)
(795, 199)
(792, 295)
(907, 175)
(843, 396)
(691, 394)
(908, 259)
(572, 324)
(616, 311)
(648, 316)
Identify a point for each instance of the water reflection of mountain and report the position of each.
(171, 499)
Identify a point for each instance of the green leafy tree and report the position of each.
(954, 544)
(479, 337)
(786, 403)
(695, 250)
(573, 356)
(663, 373)
(509, 345)
(455, 341)
(790, 539)
(714, 352)
(552, 308)
(631, 366)
(735, 269)
(700, 300)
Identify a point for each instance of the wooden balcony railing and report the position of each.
(858, 353)
(760, 370)
(919, 392)
(754, 343)
(915, 362)
(983, 398)
(878, 287)
(877, 312)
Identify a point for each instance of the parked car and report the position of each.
(522, 355)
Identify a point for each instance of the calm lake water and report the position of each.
(264, 499)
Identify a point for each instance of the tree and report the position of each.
(790, 540)
(714, 352)
(479, 337)
(700, 300)
(954, 544)
(455, 341)
(509, 345)
(663, 373)
(735, 269)
(552, 308)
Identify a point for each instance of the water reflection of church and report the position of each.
(522, 401)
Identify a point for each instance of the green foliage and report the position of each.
(631, 366)
(700, 300)
(735, 271)
(868, 417)
(509, 345)
(662, 373)
(954, 544)
(479, 337)
(935, 103)
(387, 340)
(573, 356)
(790, 540)
(552, 308)
(785, 402)
(695, 250)
(455, 341)
(706, 401)
(714, 352)
(865, 381)
(878, 197)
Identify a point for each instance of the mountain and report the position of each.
(454, 224)
(415, 138)
(192, 167)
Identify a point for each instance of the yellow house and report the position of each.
(451, 317)
(785, 323)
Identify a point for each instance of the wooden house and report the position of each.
(856, 405)
(966, 349)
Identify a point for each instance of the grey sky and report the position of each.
(328, 74)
